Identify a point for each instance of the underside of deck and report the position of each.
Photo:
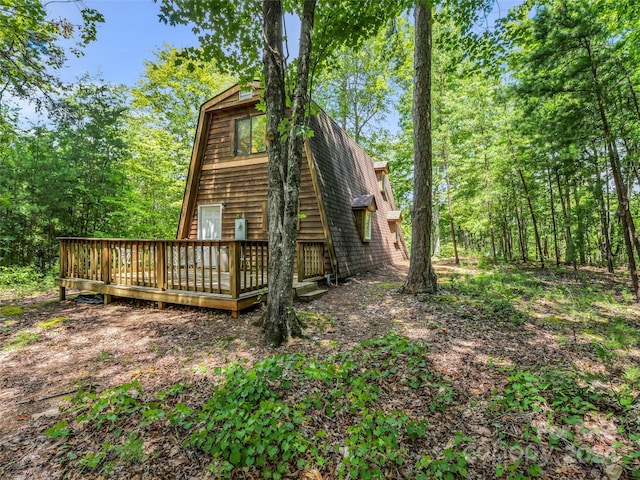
(180, 297)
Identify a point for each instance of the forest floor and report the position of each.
(505, 373)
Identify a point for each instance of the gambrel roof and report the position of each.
(344, 179)
(345, 172)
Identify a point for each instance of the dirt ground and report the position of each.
(101, 346)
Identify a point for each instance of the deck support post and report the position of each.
(234, 269)
(105, 267)
(63, 269)
(161, 265)
(300, 260)
(161, 269)
(105, 262)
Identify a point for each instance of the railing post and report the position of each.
(105, 267)
(234, 268)
(161, 268)
(63, 268)
(105, 262)
(161, 265)
(300, 253)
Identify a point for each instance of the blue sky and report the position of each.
(131, 32)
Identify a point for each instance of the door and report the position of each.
(209, 228)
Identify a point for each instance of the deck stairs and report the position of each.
(308, 290)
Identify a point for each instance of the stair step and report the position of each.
(305, 287)
(312, 295)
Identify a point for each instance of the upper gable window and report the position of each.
(245, 94)
(251, 135)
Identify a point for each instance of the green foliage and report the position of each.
(373, 444)
(11, 311)
(52, 322)
(631, 376)
(21, 340)
(452, 463)
(559, 391)
(20, 278)
(497, 293)
(254, 419)
(109, 406)
(66, 178)
(131, 449)
(59, 430)
(245, 423)
(623, 335)
(31, 46)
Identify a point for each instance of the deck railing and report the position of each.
(310, 260)
(229, 267)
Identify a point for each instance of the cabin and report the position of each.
(346, 206)
(348, 222)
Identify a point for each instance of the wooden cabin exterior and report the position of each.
(347, 210)
(348, 222)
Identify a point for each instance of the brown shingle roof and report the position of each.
(381, 166)
(367, 202)
(345, 172)
(394, 215)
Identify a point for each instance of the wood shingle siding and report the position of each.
(345, 172)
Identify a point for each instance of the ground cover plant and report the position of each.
(506, 373)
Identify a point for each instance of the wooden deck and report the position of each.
(226, 274)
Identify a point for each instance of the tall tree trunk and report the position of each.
(285, 158)
(506, 232)
(570, 250)
(452, 223)
(522, 242)
(487, 185)
(553, 218)
(628, 226)
(581, 226)
(607, 253)
(529, 203)
(421, 277)
(436, 225)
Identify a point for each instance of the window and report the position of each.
(367, 226)
(383, 182)
(362, 206)
(251, 133)
(394, 217)
(245, 94)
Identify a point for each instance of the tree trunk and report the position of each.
(436, 226)
(628, 226)
(421, 277)
(522, 242)
(581, 227)
(487, 185)
(570, 250)
(531, 212)
(605, 226)
(452, 223)
(553, 218)
(285, 156)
